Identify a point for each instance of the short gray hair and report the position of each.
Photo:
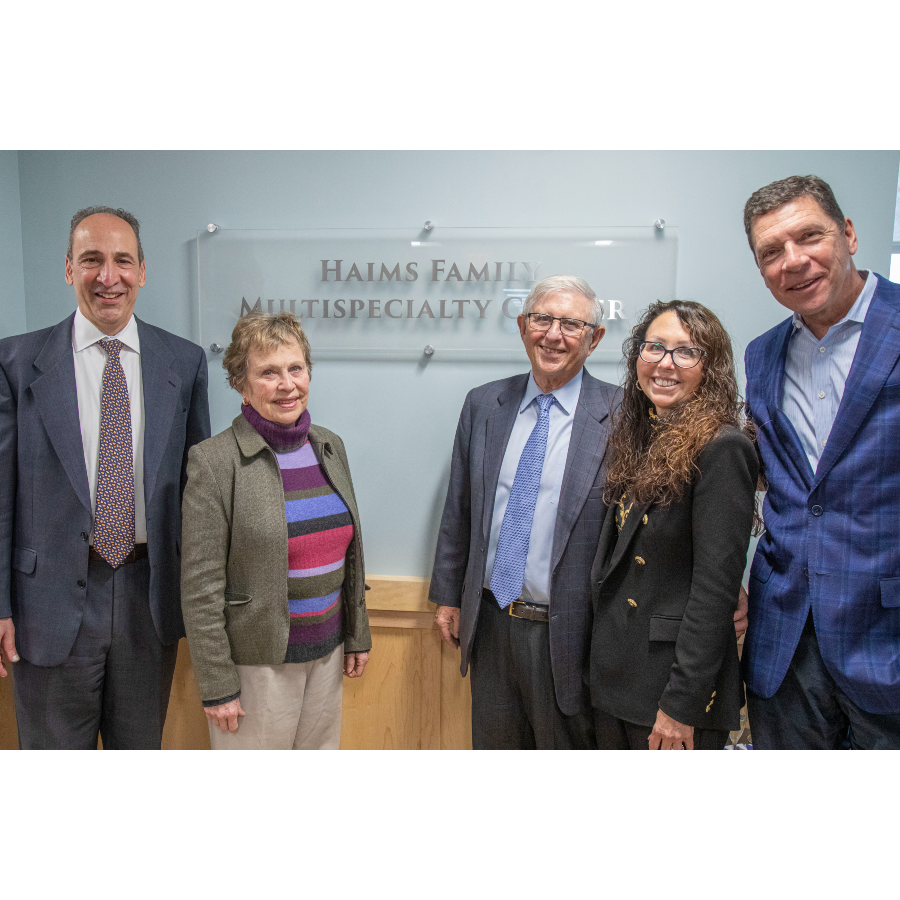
(775, 195)
(82, 214)
(564, 284)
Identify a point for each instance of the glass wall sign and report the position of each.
(391, 293)
(373, 300)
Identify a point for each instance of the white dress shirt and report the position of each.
(90, 360)
(815, 373)
(536, 585)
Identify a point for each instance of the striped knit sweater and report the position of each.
(319, 533)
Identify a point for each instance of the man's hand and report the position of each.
(7, 644)
(225, 715)
(668, 734)
(740, 615)
(447, 619)
(355, 664)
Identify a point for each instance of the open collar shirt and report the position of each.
(536, 585)
(816, 371)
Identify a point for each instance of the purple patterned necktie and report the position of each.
(114, 515)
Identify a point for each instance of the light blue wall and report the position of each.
(12, 294)
(401, 471)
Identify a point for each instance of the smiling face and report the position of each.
(104, 271)
(665, 384)
(557, 358)
(277, 383)
(804, 257)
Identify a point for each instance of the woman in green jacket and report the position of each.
(273, 589)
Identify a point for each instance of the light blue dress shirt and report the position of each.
(815, 373)
(536, 585)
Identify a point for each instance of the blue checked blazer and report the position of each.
(832, 540)
(485, 424)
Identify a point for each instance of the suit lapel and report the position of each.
(56, 397)
(773, 391)
(876, 355)
(162, 389)
(498, 428)
(587, 447)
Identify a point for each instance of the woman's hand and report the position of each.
(355, 664)
(225, 715)
(668, 734)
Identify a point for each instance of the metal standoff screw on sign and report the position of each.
(212, 228)
(660, 224)
(215, 348)
(429, 350)
(429, 225)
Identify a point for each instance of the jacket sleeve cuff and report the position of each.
(207, 703)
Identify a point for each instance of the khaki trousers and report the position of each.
(294, 706)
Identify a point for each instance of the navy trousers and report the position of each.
(116, 680)
(810, 712)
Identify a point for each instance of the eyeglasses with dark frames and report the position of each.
(683, 357)
(569, 327)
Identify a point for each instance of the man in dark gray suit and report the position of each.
(520, 529)
(96, 418)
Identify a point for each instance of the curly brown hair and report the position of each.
(654, 459)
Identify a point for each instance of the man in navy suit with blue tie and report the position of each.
(97, 415)
(822, 652)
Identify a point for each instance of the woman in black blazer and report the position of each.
(664, 670)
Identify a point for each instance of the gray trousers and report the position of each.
(513, 699)
(116, 680)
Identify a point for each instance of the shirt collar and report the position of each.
(85, 334)
(857, 312)
(566, 396)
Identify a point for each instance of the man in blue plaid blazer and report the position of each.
(822, 653)
(528, 658)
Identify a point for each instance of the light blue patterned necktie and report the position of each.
(114, 513)
(515, 532)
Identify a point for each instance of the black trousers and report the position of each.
(810, 712)
(116, 680)
(513, 699)
(617, 734)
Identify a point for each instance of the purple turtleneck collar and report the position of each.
(280, 438)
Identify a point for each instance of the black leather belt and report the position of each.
(522, 609)
(139, 552)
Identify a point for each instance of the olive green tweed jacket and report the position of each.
(234, 567)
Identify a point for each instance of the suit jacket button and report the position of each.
(639, 560)
(84, 535)
(82, 583)
(817, 510)
(631, 602)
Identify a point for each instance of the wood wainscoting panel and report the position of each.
(185, 721)
(456, 703)
(411, 697)
(396, 704)
(9, 735)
